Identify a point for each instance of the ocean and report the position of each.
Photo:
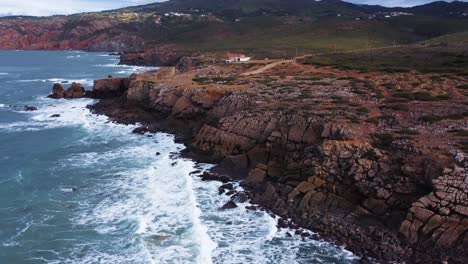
(80, 189)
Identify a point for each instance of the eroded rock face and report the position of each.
(390, 205)
(110, 87)
(163, 55)
(58, 33)
(58, 91)
(74, 91)
(441, 217)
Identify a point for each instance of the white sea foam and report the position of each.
(245, 236)
(73, 56)
(144, 189)
(27, 81)
(87, 82)
(3, 73)
(150, 203)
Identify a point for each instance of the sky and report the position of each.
(54, 7)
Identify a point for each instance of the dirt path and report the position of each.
(357, 50)
(276, 63)
(266, 67)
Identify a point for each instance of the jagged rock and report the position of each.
(325, 175)
(240, 197)
(256, 176)
(141, 130)
(225, 187)
(57, 91)
(229, 205)
(30, 108)
(75, 91)
(110, 87)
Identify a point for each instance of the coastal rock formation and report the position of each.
(384, 197)
(74, 91)
(110, 87)
(60, 33)
(58, 91)
(441, 217)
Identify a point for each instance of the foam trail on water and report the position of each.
(147, 208)
(155, 194)
(88, 82)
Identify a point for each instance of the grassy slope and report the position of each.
(437, 59)
(455, 38)
(275, 36)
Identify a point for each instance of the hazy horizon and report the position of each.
(66, 7)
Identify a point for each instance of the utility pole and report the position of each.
(295, 58)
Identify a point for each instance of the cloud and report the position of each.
(54, 7)
(393, 3)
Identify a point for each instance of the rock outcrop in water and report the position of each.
(74, 91)
(378, 188)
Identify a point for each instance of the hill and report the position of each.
(264, 28)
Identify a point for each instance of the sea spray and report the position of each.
(92, 192)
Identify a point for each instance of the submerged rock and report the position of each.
(229, 205)
(76, 90)
(30, 108)
(140, 130)
(57, 91)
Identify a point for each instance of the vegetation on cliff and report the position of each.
(265, 28)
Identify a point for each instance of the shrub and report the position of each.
(321, 83)
(308, 78)
(463, 86)
(383, 141)
(459, 132)
(407, 131)
(423, 96)
(373, 120)
(443, 97)
(357, 91)
(405, 95)
(362, 110)
(398, 107)
(431, 118)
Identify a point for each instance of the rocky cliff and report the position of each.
(324, 149)
(89, 33)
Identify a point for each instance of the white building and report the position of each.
(231, 57)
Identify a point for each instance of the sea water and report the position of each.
(80, 189)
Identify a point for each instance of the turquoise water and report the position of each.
(79, 189)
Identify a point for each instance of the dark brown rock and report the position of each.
(229, 205)
(110, 87)
(57, 91)
(30, 108)
(75, 91)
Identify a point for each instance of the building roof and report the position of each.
(234, 55)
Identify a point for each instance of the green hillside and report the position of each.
(455, 38)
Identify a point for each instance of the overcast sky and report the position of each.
(52, 7)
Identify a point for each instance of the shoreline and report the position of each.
(218, 172)
(229, 122)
